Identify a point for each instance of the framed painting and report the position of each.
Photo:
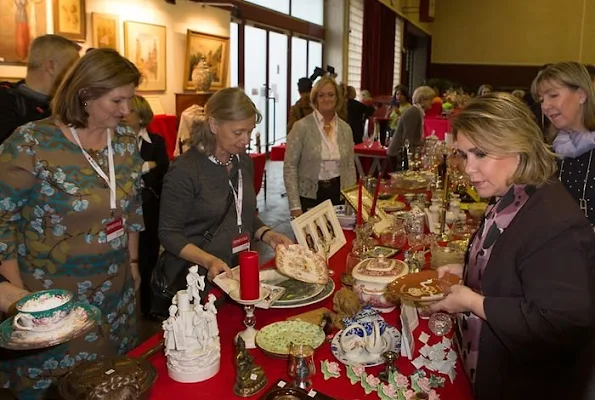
(105, 31)
(351, 195)
(21, 22)
(144, 45)
(69, 19)
(214, 49)
(319, 227)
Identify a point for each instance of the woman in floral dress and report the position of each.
(56, 207)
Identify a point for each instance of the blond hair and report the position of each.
(326, 80)
(423, 93)
(94, 75)
(143, 109)
(229, 104)
(502, 124)
(573, 76)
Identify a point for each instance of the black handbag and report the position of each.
(163, 288)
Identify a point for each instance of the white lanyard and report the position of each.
(111, 181)
(238, 196)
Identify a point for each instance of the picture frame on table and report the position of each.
(69, 19)
(215, 50)
(351, 195)
(17, 34)
(105, 31)
(145, 46)
(317, 225)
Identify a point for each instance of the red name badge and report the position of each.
(114, 229)
(240, 243)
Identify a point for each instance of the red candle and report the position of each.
(358, 216)
(376, 192)
(249, 276)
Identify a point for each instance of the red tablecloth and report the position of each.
(277, 152)
(371, 160)
(439, 125)
(166, 126)
(230, 318)
(259, 160)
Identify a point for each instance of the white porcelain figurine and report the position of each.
(191, 334)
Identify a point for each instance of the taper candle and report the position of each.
(358, 217)
(376, 192)
(249, 276)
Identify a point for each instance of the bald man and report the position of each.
(50, 56)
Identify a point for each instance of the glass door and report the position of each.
(255, 78)
(277, 100)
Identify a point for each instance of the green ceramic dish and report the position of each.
(274, 339)
(43, 310)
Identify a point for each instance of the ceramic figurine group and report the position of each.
(191, 334)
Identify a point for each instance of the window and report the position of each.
(299, 64)
(398, 50)
(356, 37)
(233, 54)
(308, 10)
(314, 56)
(281, 6)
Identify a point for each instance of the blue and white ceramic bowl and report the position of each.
(365, 317)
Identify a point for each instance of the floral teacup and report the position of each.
(43, 311)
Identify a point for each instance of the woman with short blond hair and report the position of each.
(567, 98)
(71, 187)
(208, 204)
(319, 157)
(526, 327)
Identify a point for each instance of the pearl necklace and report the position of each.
(223, 164)
(582, 202)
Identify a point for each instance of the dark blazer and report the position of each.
(540, 294)
(357, 113)
(153, 180)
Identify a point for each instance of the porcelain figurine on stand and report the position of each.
(191, 334)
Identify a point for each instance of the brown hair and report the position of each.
(94, 75)
(143, 109)
(502, 124)
(230, 104)
(322, 82)
(573, 76)
(54, 47)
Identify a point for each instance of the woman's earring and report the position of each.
(85, 104)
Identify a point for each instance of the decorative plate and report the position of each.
(391, 205)
(81, 319)
(87, 376)
(422, 286)
(274, 339)
(328, 290)
(392, 337)
(295, 291)
(300, 263)
(379, 270)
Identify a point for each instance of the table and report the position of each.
(440, 125)
(259, 160)
(363, 154)
(277, 152)
(230, 317)
(166, 126)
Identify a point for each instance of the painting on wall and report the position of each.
(21, 22)
(214, 49)
(69, 19)
(144, 45)
(105, 31)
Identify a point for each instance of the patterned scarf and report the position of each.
(498, 217)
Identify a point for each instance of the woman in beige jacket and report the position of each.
(319, 159)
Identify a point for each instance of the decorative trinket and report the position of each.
(250, 378)
(330, 369)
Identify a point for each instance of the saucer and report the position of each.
(392, 337)
(81, 319)
(235, 296)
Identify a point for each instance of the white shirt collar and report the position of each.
(320, 118)
(144, 135)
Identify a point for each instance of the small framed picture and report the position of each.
(381, 251)
(351, 195)
(319, 230)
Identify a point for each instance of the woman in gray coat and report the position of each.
(319, 159)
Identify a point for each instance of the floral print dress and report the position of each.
(53, 211)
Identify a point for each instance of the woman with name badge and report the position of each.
(70, 213)
(208, 206)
